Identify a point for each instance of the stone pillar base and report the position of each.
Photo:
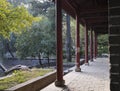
(77, 69)
(60, 83)
(87, 64)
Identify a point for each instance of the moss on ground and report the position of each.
(22, 76)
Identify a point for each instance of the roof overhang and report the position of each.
(94, 13)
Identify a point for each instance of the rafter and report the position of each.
(95, 21)
(68, 8)
(100, 26)
(96, 17)
(92, 11)
(98, 23)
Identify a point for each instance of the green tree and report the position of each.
(68, 39)
(102, 44)
(7, 45)
(73, 35)
(40, 8)
(13, 19)
(19, 2)
(36, 41)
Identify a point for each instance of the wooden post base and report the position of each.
(77, 69)
(60, 83)
(87, 64)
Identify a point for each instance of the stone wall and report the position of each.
(114, 44)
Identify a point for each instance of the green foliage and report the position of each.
(40, 8)
(103, 44)
(21, 76)
(41, 37)
(13, 19)
(36, 40)
(16, 23)
(19, 2)
(17, 78)
(73, 36)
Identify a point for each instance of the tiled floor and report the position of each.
(94, 77)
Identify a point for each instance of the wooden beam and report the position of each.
(95, 17)
(96, 20)
(94, 10)
(100, 26)
(73, 3)
(69, 5)
(98, 23)
(68, 8)
(101, 31)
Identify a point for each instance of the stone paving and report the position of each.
(94, 77)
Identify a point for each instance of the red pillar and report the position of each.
(59, 81)
(77, 69)
(95, 45)
(91, 45)
(86, 46)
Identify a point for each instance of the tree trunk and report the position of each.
(68, 40)
(8, 48)
(10, 70)
(3, 67)
(48, 61)
(40, 62)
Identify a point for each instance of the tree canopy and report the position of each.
(13, 19)
(36, 40)
(41, 37)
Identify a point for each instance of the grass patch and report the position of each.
(22, 76)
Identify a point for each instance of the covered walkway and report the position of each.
(94, 77)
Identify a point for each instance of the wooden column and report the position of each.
(91, 45)
(86, 46)
(77, 69)
(59, 81)
(95, 45)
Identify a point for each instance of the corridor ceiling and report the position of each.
(93, 12)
